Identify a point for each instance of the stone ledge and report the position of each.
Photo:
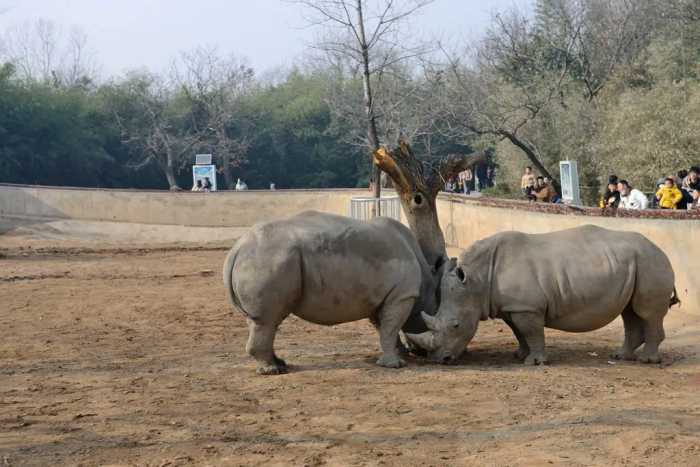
(186, 191)
(563, 209)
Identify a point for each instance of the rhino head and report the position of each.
(461, 308)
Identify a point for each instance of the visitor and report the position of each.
(692, 181)
(240, 185)
(695, 194)
(527, 181)
(544, 193)
(669, 195)
(197, 186)
(530, 190)
(686, 200)
(555, 197)
(465, 177)
(611, 197)
(631, 198)
(654, 200)
(680, 176)
(207, 185)
(272, 186)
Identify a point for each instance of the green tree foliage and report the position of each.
(297, 143)
(119, 135)
(51, 136)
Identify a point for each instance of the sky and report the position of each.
(269, 34)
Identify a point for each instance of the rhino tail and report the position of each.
(674, 299)
(228, 278)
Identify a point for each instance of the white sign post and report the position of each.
(203, 170)
(570, 192)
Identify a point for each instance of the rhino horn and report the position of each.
(430, 321)
(424, 340)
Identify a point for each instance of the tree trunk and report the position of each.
(226, 167)
(533, 158)
(418, 186)
(170, 172)
(372, 138)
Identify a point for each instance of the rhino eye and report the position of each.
(460, 274)
(418, 199)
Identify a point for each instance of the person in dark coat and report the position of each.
(611, 197)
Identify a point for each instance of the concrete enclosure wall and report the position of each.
(220, 209)
(465, 222)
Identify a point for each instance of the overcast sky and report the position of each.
(129, 34)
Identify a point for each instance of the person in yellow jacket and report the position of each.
(669, 195)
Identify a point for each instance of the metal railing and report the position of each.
(367, 208)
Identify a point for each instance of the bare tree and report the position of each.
(155, 124)
(501, 86)
(607, 35)
(79, 65)
(41, 51)
(215, 86)
(366, 33)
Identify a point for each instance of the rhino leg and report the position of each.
(261, 339)
(523, 349)
(531, 326)
(653, 336)
(391, 317)
(402, 350)
(634, 335)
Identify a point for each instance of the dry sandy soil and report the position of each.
(125, 355)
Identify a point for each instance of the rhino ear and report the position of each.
(424, 340)
(461, 275)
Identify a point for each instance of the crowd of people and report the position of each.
(207, 186)
(538, 189)
(681, 191)
(471, 180)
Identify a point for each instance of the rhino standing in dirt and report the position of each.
(328, 269)
(574, 280)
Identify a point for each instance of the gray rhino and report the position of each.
(575, 280)
(328, 269)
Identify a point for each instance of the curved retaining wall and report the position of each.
(218, 209)
(464, 221)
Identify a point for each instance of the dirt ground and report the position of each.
(131, 355)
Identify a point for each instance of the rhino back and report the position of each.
(581, 278)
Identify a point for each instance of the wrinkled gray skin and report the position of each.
(575, 280)
(329, 270)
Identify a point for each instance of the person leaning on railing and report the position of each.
(611, 197)
(631, 198)
(669, 195)
(695, 193)
(527, 181)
